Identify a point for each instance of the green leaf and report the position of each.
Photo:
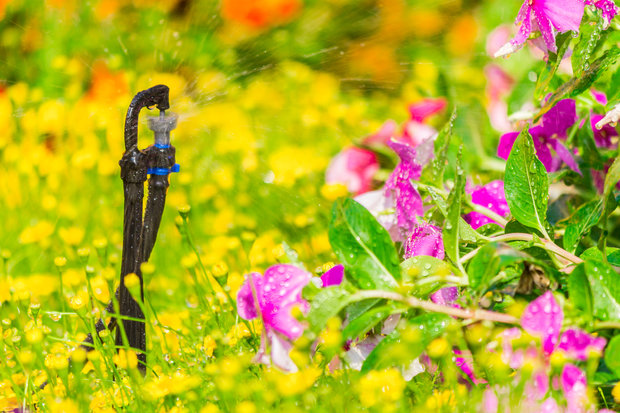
(433, 173)
(578, 84)
(590, 34)
(605, 285)
(451, 226)
(527, 184)
(490, 261)
(580, 222)
(363, 246)
(421, 267)
(579, 291)
(553, 63)
(326, 304)
(483, 267)
(611, 179)
(612, 355)
(467, 233)
(424, 266)
(367, 321)
(402, 347)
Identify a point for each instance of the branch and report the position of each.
(439, 308)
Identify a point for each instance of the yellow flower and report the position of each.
(246, 407)
(99, 287)
(616, 392)
(36, 233)
(331, 192)
(72, 236)
(380, 387)
(209, 345)
(295, 383)
(438, 348)
(64, 406)
(126, 359)
(438, 400)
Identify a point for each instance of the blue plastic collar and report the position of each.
(164, 171)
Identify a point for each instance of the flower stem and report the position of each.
(544, 243)
(607, 325)
(439, 308)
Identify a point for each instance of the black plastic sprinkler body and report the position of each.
(155, 162)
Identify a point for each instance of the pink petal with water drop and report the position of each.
(425, 239)
(543, 317)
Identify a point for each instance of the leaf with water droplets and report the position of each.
(466, 232)
(580, 222)
(578, 84)
(605, 285)
(589, 36)
(326, 304)
(433, 173)
(527, 184)
(363, 246)
(453, 215)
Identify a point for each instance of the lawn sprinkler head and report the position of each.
(162, 125)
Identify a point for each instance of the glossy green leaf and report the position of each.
(365, 322)
(526, 184)
(326, 304)
(402, 347)
(605, 286)
(612, 355)
(433, 173)
(467, 233)
(580, 223)
(363, 246)
(483, 267)
(553, 63)
(578, 84)
(451, 229)
(589, 36)
(579, 291)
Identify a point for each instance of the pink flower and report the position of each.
(547, 136)
(425, 239)
(333, 276)
(353, 167)
(608, 9)
(272, 297)
(416, 131)
(499, 84)
(578, 344)
(490, 196)
(543, 317)
(548, 16)
(399, 187)
(276, 293)
(574, 386)
(383, 135)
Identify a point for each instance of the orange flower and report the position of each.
(106, 85)
(259, 14)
